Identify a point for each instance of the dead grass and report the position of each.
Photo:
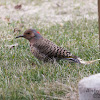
(46, 12)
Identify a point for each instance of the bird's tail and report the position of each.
(80, 61)
(87, 62)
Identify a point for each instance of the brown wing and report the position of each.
(36, 53)
(51, 50)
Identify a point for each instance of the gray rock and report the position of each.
(89, 88)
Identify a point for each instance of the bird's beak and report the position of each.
(20, 36)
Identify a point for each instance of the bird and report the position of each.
(47, 51)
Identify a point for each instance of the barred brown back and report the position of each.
(49, 50)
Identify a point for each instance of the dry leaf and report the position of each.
(58, 5)
(33, 64)
(61, 24)
(12, 46)
(68, 95)
(16, 30)
(18, 7)
(21, 25)
(7, 19)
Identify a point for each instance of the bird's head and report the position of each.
(30, 34)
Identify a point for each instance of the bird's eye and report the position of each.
(28, 33)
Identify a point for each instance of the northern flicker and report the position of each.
(45, 50)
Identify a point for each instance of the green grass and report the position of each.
(23, 77)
